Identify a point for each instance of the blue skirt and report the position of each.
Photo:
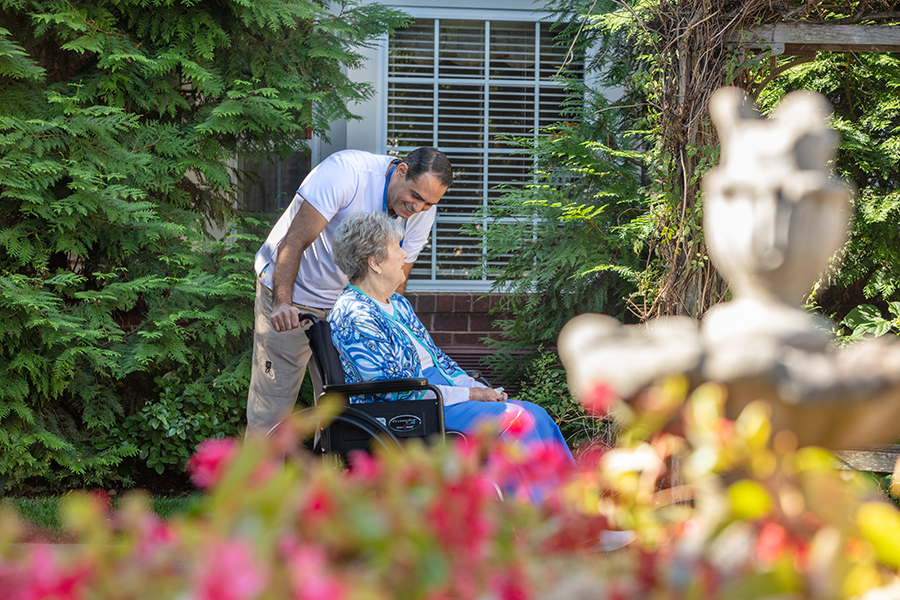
(468, 416)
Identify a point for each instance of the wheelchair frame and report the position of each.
(361, 426)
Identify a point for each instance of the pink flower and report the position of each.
(230, 573)
(156, 537)
(208, 463)
(510, 585)
(308, 571)
(772, 542)
(542, 465)
(599, 400)
(516, 421)
(364, 466)
(45, 578)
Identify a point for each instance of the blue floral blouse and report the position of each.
(373, 345)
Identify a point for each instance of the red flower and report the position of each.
(230, 573)
(599, 400)
(364, 466)
(588, 458)
(772, 542)
(208, 463)
(510, 585)
(516, 421)
(45, 578)
(456, 515)
(317, 507)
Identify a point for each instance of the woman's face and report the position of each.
(392, 266)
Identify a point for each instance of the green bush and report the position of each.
(546, 386)
(121, 125)
(167, 430)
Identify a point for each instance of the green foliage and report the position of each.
(865, 321)
(120, 123)
(168, 430)
(572, 240)
(547, 387)
(631, 241)
(567, 243)
(863, 89)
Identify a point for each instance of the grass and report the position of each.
(42, 514)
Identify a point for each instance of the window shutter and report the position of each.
(462, 85)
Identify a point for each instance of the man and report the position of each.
(295, 269)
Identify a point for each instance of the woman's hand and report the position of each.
(480, 394)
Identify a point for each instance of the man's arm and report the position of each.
(406, 269)
(305, 228)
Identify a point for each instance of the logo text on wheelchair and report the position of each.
(404, 422)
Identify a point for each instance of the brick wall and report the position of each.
(455, 320)
(458, 323)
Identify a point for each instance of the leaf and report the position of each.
(866, 318)
(879, 522)
(749, 500)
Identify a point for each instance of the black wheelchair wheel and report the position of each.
(350, 430)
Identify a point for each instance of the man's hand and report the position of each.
(285, 318)
(479, 394)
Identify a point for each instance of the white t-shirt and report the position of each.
(346, 182)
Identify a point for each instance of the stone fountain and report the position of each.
(773, 219)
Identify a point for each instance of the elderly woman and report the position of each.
(379, 337)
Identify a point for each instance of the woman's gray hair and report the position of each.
(360, 236)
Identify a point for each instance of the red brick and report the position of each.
(451, 323)
(427, 320)
(442, 339)
(443, 303)
(480, 322)
(481, 304)
(425, 303)
(462, 303)
(468, 339)
(496, 299)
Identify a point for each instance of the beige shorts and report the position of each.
(279, 363)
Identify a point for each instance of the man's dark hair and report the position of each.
(429, 160)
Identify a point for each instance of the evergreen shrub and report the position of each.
(124, 325)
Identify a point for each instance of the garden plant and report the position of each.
(611, 222)
(746, 516)
(125, 325)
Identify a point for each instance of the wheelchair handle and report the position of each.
(308, 317)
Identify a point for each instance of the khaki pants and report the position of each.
(279, 363)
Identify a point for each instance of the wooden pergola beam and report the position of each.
(799, 39)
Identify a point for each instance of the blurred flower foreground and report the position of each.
(742, 516)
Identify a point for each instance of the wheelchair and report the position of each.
(366, 426)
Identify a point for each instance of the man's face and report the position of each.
(407, 197)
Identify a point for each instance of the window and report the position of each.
(461, 85)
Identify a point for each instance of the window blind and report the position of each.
(462, 85)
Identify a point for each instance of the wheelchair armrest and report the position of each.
(386, 386)
(476, 375)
